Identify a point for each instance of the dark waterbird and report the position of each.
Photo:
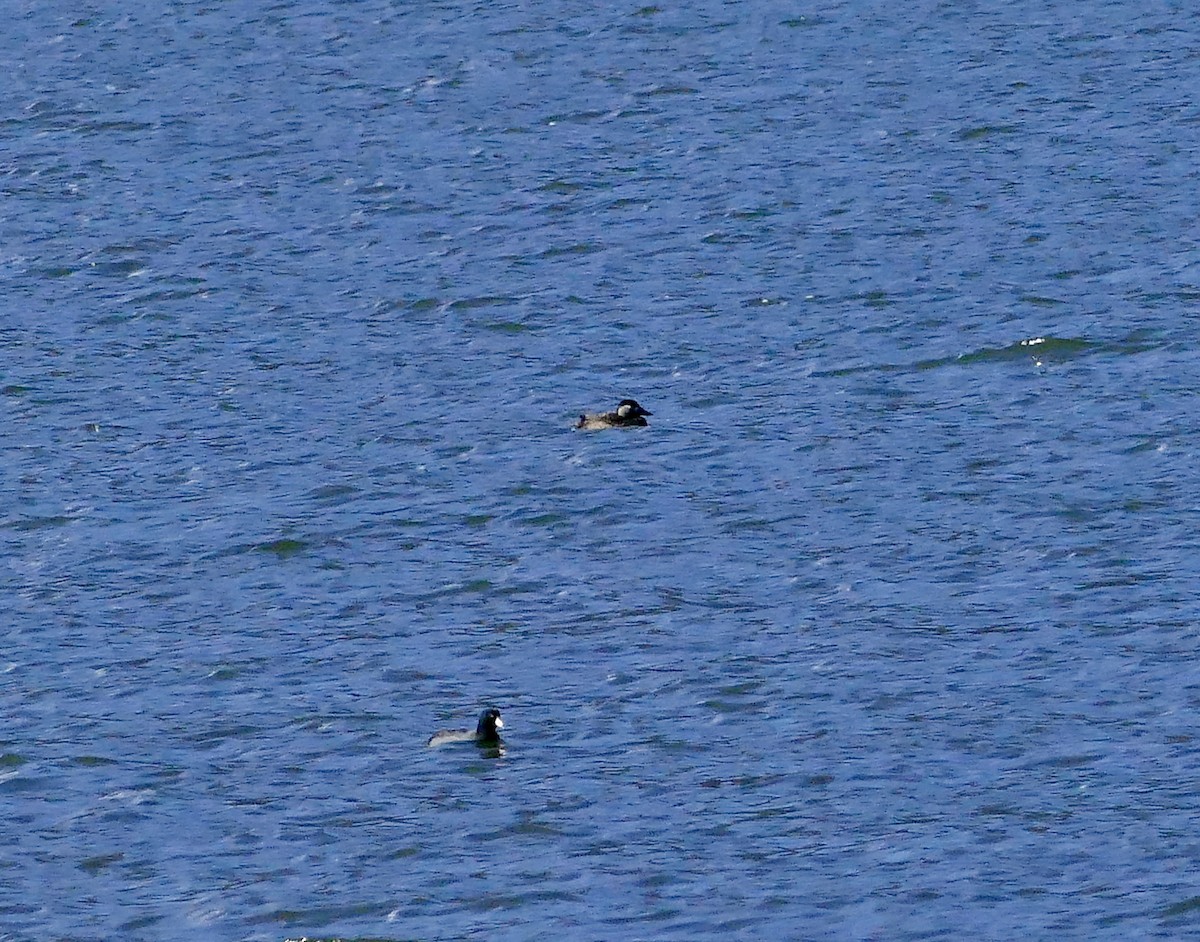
(487, 731)
(627, 414)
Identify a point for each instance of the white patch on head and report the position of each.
(623, 411)
(499, 723)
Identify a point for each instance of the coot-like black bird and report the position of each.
(486, 732)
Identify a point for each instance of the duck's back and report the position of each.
(592, 423)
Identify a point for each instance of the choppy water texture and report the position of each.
(884, 629)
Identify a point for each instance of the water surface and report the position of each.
(883, 629)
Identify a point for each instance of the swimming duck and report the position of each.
(486, 732)
(627, 415)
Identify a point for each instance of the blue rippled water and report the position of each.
(883, 629)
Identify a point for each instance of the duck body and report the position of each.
(487, 732)
(627, 414)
